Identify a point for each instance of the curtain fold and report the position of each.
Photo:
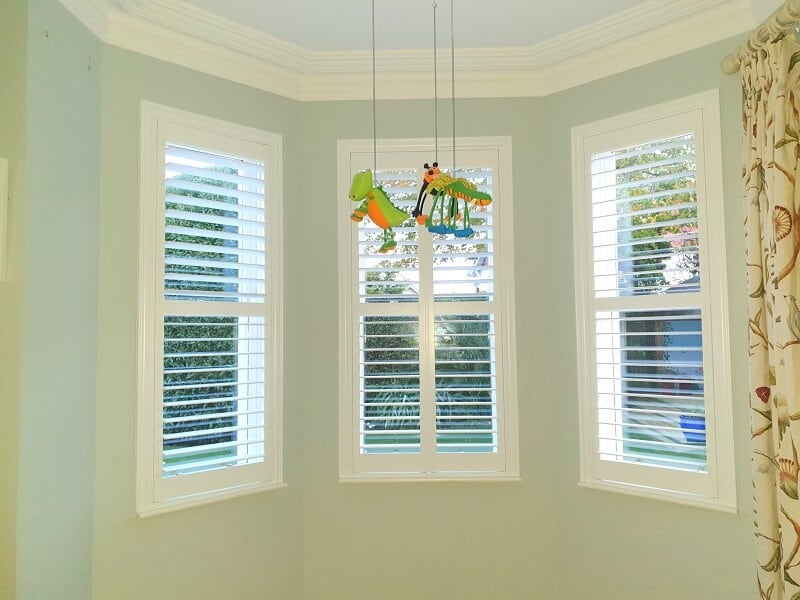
(771, 166)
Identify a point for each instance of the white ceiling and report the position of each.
(408, 24)
(321, 49)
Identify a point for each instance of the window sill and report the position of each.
(419, 477)
(205, 498)
(663, 495)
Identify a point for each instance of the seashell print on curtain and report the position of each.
(771, 166)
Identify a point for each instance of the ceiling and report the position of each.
(405, 24)
(321, 49)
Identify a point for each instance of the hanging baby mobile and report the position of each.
(443, 203)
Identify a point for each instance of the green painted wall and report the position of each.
(13, 42)
(244, 548)
(59, 290)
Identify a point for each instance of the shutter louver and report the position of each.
(645, 221)
(215, 243)
(390, 385)
(648, 321)
(650, 376)
(215, 271)
(466, 393)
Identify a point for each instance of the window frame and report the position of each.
(353, 156)
(154, 493)
(699, 114)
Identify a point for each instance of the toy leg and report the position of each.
(466, 231)
(388, 241)
(433, 225)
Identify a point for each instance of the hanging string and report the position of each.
(374, 112)
(435, 90)
(453, 81)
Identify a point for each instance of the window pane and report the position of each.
(645, 221)
(213, 394)
(390, 390)
(466, 403)
(214, 227)
(651, 388)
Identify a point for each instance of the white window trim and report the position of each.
(701, 112)
(152, 496)
(349, 471)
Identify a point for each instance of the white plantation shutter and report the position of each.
(651, 418)
(432, 393)
(214, 384)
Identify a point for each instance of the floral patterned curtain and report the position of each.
(771, 105)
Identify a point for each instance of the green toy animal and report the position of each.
(377, 206)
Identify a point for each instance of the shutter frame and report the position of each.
(427, 464)
(162, 488)
(716, 488)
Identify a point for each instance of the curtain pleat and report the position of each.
(771, 119)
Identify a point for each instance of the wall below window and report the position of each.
(74, 352)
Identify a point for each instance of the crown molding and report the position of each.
(127, 31)
(174, 31)
(177, 16)
(647, 46)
